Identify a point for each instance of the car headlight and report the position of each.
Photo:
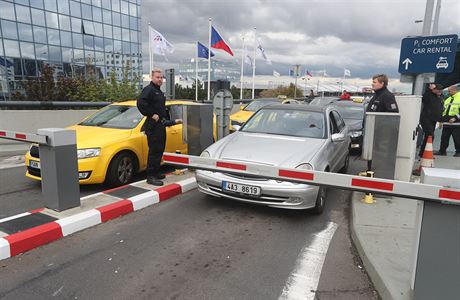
(305, 167)
(205, 154)
(356, 133)
(87, 153)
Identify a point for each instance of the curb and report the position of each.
(29, 239)
(374, 275)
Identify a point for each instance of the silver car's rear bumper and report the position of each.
(273, 193)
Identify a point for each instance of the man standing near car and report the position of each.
(383, 100)
(152, 104)
(431, 112)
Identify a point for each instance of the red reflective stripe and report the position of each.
(170, 158)
(296, 174)
(115, 210)
(2, 133)
(372, 184)
(34, 237)
(220, 164)
(20, 136)
(169, 191)
(448, 194)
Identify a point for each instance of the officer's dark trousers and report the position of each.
(447, 131)
(156, 138)
(428, 129)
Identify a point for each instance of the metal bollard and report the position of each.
(59, 169)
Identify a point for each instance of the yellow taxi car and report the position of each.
(111, 147)
(246, 111)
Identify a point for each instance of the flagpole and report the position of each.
(196, 73)
(242, 70)
(295, 84)
(150, 53)
(254, 62)
(209, 62)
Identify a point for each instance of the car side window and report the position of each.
(339, 120)
(333, 124)
(175, 112)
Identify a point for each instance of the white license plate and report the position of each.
(34, 164)
(241, 188)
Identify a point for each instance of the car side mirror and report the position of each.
(338, 137)
(242, 106)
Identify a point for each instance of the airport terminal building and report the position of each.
(73, 36)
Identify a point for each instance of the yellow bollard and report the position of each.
(368, 197)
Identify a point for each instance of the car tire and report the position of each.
(320, 201)
(121, 169)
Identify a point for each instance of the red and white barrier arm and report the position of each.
(378, 185)
(23, 137)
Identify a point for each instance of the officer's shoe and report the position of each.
(159, 176)
(154, 181)
(457, 154)
(441, 153)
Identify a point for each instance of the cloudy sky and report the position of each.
(363, 36)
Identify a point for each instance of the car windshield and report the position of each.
(351, 112)
(287, 122)
(115, 116)
(258, 104)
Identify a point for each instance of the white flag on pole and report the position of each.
(276, 74)
(248, 60)
(346, 72)
(261, 53)
(158, 43)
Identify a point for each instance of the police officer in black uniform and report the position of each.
(151, 104)
(431, 112)
(383, 100)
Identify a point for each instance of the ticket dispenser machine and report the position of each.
(197, 130)
(223, 104)
(380, 142)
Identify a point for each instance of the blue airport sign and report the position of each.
(427, 54)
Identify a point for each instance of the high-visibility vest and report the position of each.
(452, 105)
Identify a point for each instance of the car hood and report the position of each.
(95, 137)
(241, 116)
(267, 149)
(354, 124)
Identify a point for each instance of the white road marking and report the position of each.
(304, 279)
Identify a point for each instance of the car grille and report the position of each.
(34, 172)
(274, 199)
(248, 177)
(34, 151)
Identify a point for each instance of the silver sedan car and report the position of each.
(291, 136)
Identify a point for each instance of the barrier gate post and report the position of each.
(436, 270)
(59, 169)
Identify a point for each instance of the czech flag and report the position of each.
(218, 42)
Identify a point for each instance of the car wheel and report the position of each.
(121, 170)
(320, 201)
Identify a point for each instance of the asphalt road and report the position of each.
(197, 247)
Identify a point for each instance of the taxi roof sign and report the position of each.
(426, 54)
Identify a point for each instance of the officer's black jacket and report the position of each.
(383, 101)
(432, 107)
(152, 101)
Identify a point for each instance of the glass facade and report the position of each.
(76, 37)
